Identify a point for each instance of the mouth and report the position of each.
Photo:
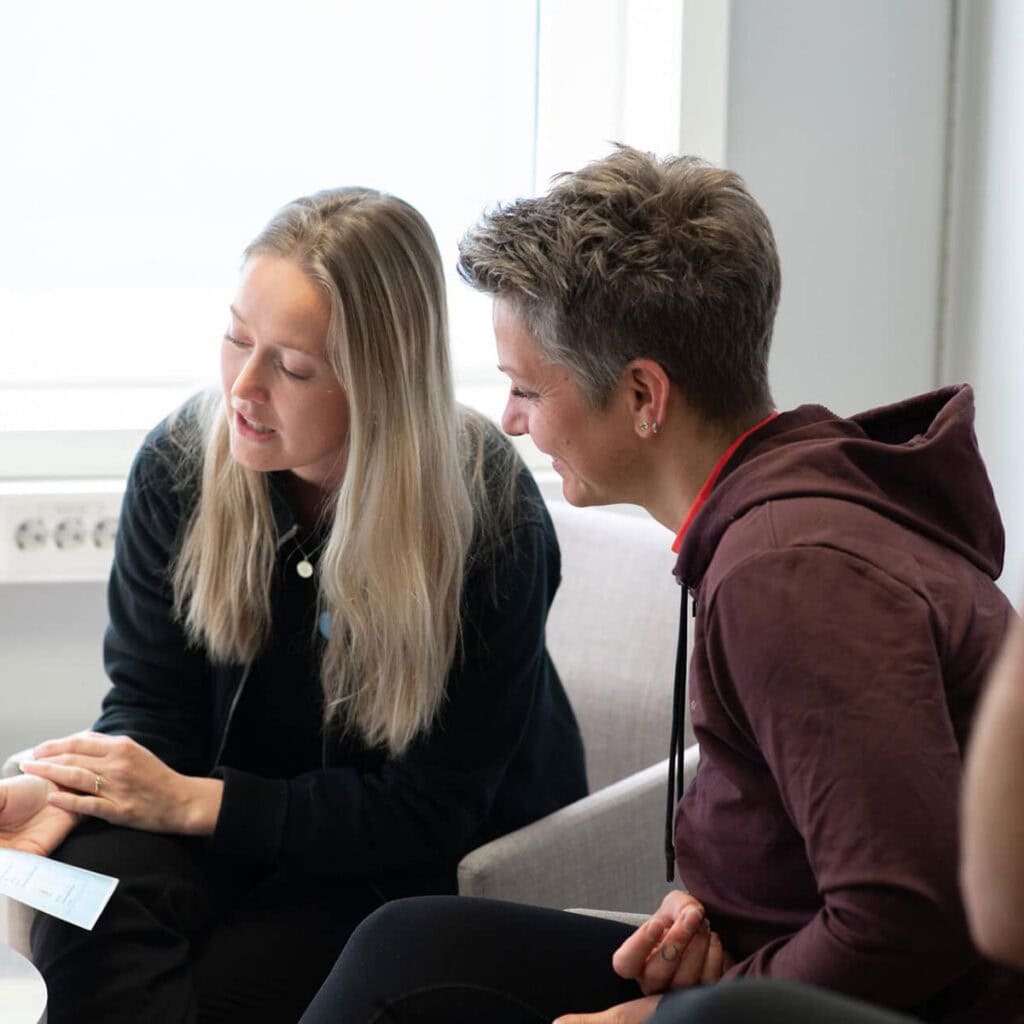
(251, 429)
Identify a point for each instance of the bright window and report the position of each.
(144, 146)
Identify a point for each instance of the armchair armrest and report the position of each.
(19, 917)
(11, 765)
(602, 851)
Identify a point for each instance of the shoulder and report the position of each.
(512, 530)
(167, 467)
(791, 562)
(809, 528)
(502, 489)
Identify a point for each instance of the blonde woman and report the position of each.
(326, 645)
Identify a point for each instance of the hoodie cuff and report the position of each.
(250, 825)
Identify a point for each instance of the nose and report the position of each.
(248, 384)
(514, 420)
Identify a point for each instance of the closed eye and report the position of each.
(240, 344)
(291, 373)
(518, 392)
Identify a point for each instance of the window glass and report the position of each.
(142, 152)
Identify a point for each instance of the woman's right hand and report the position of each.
(674, 949)
(28, 821)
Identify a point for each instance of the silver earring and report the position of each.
(654, 428)
(643, 426)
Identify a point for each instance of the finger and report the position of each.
(691, 963)
(673, 952)
(674, 903)
(713, 962)
(91, 805)
(629, 959)
(67, 775)
(20, 796)
(92, 744)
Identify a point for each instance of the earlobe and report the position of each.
(649, 388)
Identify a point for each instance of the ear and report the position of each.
(647, 388)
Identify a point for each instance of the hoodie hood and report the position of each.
(916, 462)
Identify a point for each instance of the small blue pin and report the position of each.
(324, 625)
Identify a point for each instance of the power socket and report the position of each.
(54, 531)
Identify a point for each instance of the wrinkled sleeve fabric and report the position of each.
(839, 684)
(425, 807)
(158, 693)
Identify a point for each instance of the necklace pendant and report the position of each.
(304, 569)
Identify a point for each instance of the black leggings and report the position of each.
(458, 960)
(187, 937)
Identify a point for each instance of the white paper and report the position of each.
(70, 893)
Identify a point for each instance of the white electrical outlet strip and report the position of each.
(54, 531)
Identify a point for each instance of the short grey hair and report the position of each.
(636, 257)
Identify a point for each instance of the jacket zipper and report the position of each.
(284, 538)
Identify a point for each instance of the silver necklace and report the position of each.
(304, 566)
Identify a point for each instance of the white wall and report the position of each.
(51, 673)
(837, 121)
(985, 314)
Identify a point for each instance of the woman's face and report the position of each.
(592, 450)
(285, 405)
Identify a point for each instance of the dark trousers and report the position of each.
(188, 937)
(457, 960)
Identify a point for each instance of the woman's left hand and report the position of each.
(120, 781)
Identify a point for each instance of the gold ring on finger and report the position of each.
(99, 785)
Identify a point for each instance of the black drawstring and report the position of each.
(675, 762)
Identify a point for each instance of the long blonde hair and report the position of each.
(391, 571)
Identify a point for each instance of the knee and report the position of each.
(163, 889)
(382, 956)
(127, 852)
(399, 928)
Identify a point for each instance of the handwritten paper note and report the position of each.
(70, 893)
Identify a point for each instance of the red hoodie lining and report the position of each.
(712, 479)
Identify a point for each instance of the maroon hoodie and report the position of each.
(846, 617)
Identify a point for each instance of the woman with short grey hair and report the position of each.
(844, 611)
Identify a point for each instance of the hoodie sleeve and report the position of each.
(833, 670)
(424, 808)
(159, 692)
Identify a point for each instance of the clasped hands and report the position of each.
(108, 777)
(675, 949)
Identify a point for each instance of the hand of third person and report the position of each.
(120, 781)
(636, 1011)
(28, 822)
